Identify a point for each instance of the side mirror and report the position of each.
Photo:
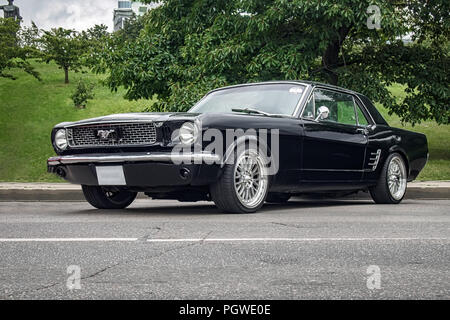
(323, 113)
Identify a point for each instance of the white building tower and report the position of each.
(127, 9)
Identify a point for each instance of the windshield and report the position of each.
(270, 98)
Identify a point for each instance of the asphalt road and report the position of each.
(170, 250)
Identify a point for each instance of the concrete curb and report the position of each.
(69, 192)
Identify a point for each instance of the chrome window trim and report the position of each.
(354, 110)
(303, 108)
(300, 102)
(353, 94)
(357, 116)
(310, 96)
(361, 104)
(338, 91)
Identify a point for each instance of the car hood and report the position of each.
(142, 116)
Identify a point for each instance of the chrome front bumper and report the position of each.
(135, 157)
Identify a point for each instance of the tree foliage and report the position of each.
(188, 47)
(12, 54)
(95, 40)
(29, 37)
(83, 92)
(65, 47)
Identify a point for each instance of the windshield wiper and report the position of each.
(254, 111)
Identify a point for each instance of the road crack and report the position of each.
(136, 259)
(107, 268)
(287, 225)
(147, 236)
(202, 241)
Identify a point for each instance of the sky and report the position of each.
(69, 14)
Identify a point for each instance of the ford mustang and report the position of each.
(242, 146)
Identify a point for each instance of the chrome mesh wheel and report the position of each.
(250, 179)
(396, 178)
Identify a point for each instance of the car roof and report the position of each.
(376, 116)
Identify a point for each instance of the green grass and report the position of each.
(29, 109)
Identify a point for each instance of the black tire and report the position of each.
(381, 193)
(224, 193)
(100, 198)
(278, 197)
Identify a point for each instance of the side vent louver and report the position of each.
(374, 159)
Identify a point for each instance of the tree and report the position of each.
(65, 47)
(131, 30)
(29, 38)
(116, 45)
(12, 55)
(83, 92)
(96, 40)
(190, 46)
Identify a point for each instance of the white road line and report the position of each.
(67, 239)
(286, 239)
(214, 239)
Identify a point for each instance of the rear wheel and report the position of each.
(102, 198)
(243, 186)
(391, 186)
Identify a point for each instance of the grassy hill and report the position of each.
(438, 166)
(29, 109)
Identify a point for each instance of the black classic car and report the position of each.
(241, 146)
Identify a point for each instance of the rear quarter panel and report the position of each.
(411, 145)
(415, 146)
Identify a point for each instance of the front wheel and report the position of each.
(391, 186)
(243, 186)
(102, 198)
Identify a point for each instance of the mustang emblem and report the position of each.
(107, 134)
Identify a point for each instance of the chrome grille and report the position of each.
(121, 134)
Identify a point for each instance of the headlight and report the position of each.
(61, 139)
(188, 133)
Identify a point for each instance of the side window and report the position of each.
(341, 106)
(362, 120)
(346, 112)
